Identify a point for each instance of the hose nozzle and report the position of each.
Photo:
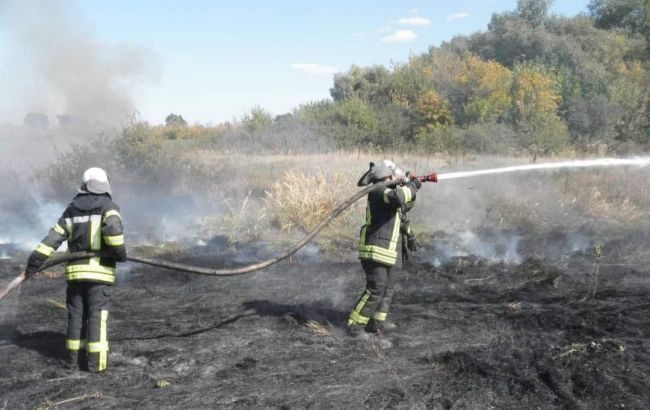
(433, 177)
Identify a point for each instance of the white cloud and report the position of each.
(314, 69)
(400, 36)
(457, 16)
(415, 21)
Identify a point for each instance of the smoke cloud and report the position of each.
(57, 68)
(64, 84)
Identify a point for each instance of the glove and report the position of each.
(120, 255)
(412, 243)
(415, 183)
(29, 273)
(34, 263)
(405, 250)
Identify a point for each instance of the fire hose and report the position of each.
(224, 271)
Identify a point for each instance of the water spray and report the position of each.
(589, 163)
(433, 177)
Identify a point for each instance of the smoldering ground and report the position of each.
(502, 308)
(57, 73)
(471, 334)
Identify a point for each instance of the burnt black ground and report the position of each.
(471, 335)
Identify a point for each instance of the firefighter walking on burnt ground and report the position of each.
(385, 228)
(92, 222)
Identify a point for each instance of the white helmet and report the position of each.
(386, 168)
(96, 181)
(383, 169)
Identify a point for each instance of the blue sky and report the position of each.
(216, 59)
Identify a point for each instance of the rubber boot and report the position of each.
(358, 332)
(71, 360)
(375, 326)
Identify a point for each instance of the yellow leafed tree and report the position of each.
(488, 86)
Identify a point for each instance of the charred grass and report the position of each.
(472, 334)
(503, 308)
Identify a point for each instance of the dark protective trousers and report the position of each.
(371, 310)
(87, 336)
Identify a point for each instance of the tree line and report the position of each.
(532, 83)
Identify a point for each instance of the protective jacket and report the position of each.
(380, 234)
(92, 222)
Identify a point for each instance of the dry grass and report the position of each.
(317, 328)
(52, 405)
(243, 219)
(613, 197)
(617, 196)
(51, 274)
(60, 304)
(275, 198)
(301, 200)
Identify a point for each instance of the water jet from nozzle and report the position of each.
(602, 162)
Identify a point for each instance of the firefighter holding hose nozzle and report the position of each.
(92, 222)
(386, 224)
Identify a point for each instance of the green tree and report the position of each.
(358, 118)
(175, 119)
(256, 120)
(533, 11)
(631, 15)
(369, 84)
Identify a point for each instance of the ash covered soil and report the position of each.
(471, 335)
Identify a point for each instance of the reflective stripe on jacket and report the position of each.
(89, 223)
(381, 233)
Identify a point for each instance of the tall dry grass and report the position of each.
(301, 200)
(277, 198)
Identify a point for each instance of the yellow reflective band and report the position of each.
(362, 238)
(378, 250)
(378, 258)
(381, 316)
(88, 268)
(99, 277)
(114, 240)
(68, 226)
(407, 194)
(395, 236)
(58, 229)
(103, 338)
(71, 344)
(95, 242)
(356, 318)
(110, 213)
(97, 347)
(44, 249)
(95, 238)
(386, 192)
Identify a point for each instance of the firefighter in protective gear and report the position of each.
(379, 244)
(92, 222)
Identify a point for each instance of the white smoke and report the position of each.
(58, 68)
(467, 243)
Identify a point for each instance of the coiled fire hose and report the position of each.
(223, 271)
